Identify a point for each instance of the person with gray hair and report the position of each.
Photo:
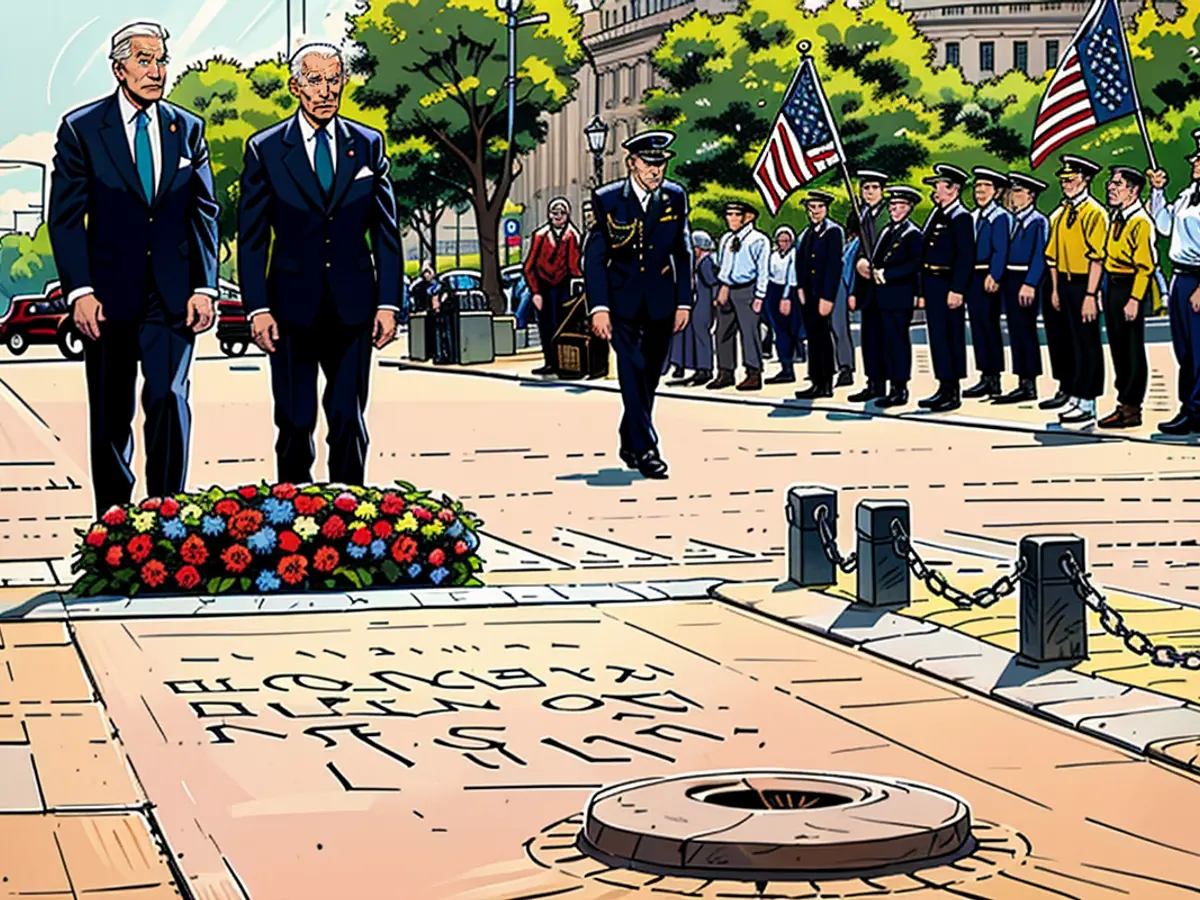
(133, 225)
(692, 348)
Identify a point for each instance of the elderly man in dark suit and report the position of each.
(133, 224)
(818, 275)
(318, 183)
(638, 275)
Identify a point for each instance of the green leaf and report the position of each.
(245, 583)
(225, 585)
(364, 576)
(390, 570)
(133, 590)
(213, 585)
(349, 575)
(100, 586)
(331, 583)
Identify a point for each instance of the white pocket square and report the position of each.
(364, 172)
(184, 162)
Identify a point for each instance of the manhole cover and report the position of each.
(774, 825)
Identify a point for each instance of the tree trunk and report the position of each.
(487, 227)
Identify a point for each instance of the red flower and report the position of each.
(169, 507)
(249, 492)
(361, 536)
(114, 556)
(236, 558)
(461, 548)
(346, 502)
(404, 550)
(422, 514)
(293, 569)
(227, 507)
(437, 557)
(245, 524)
(446, 515)
(154, 573)
(383, 529)
(151, 504)
(284, 491)
(194, 551)
(115, 516)
(289, 542)
(325, 559)
(187, 577)
(139, 548)
(97, 536)
(309, 504)
(391, 504)
(334, 528)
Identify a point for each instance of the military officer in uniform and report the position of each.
(992, 227)
(638, 276)
(818, 275)
(1025, 284)
(1075, 255)
(874, 218)
(947, 262)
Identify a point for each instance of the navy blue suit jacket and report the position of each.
(950, 247)
(1027, 246)
(899, 259)
(319, 249)
(635, 260)
(819, 262)
(94, 176)
(991, 243)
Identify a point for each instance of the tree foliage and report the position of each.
(26, 265)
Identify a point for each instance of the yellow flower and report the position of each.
(407, 523)
(191, 514)
(144, 521)
(366, 511)
(433, 529)
(305, 527)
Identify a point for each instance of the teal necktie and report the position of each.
(142, 158)
(323, 162)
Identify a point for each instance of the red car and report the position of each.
(42, 319)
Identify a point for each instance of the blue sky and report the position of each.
(55, 58)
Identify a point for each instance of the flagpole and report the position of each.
(806, 60)
(1141, 116)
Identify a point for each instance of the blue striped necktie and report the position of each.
(142, 158)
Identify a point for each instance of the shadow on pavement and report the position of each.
(605, 477)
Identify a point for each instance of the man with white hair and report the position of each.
(133, 224)
(554, 261)
(314, 188)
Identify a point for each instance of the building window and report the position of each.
(635, 92)
(615, 86)
(954, 10)
(1051, 54)
(635, 9)
(952, 53)
(1021, 55)
(987, 56)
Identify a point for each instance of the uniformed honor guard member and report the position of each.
(874, 218)
(743, 260)
(1130, 261)
(1075, 254)
(992, 227)
(638, 276)
(1181, 222)
(818, 275)
(947, 262)
(1025, 284)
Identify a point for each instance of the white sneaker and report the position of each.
(1070, 409)
(1084, 415)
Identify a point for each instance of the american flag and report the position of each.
(1093, 84)
(802, 143)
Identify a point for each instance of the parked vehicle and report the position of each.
(41, 319)
(464, 288)
(517, 295)
(233, 328)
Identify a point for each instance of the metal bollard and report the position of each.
(1053, 618)
(808, 565)
(882, 574)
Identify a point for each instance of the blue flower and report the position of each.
(278, 512)
(262, 541)
(174, 530)
(355, 551)
(438, 575)
(414, 570)
(378, 548)
(455, 530)
(212, 526)
(472, 540)
(268, 581)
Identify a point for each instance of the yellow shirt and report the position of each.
(1132, 251)
(1075, 242)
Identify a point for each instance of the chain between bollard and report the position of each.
(1113, 622)
(939, 586)
(829, 544)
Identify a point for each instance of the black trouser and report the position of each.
(1086, 381)
(819, 335)
(549, 317)
(1022, 325)
(163, 344)
(984, 311)
(343, 354)
(946, 328)
(1126, 341)
(872, 338)
(897, 344)
(1058, 340)
(641, 345)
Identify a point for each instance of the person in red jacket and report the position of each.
(553, 261)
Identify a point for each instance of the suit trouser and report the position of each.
(549, 317)
(1023, 325)
(947, 330)
(843, 340)
(820, 343)
(873, 338)
(737, 317)
(783, 326)
(343, 354)
(163, 344)
(641, 345)
(1185, 335)
(984, 311)
(1086, 382)
(896, 325)
(1058, 339)
(1126, 341)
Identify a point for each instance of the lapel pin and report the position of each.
(349, 152)
(172, 127)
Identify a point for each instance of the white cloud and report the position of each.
(13, 201)
(37, 147)
(334, 25)
(203, 18)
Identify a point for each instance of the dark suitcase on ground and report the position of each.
(581, 356)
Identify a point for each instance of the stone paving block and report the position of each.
(860, 625)
(684, 589)
(383, 598)
(27, 573)
(18, 780)
(1138, 730)
(33, 634)
(532, 593)
(298, 602)
(108, 855)
(231, 605)
(950, 655)
(1131, 700)
(62, 570)
(645, 590)
(596, 593)
(1033, 691)
(1180, 751)
(31, 863)
(485, 596)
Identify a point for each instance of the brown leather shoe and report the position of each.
(1122, 417)
(752, 382)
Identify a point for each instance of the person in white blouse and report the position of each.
(744, 254)
(782, 303)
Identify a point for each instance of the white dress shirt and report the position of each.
(129, 114)
(782, 267)
(1180, 221)
(643, 195)
(309, 132)
(750, 264)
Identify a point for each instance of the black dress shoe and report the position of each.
(782, 378)
(1025, 392)
(946, 404)
(988, 386)
(1182, 424)
(898, 397)
(651, 465)
(930, 402)
(701, 378)
(815, 390)
(678, 373)
(845, 378)
(723, 380)
(544, 370)
(1058, 401)
(630, 459)
(871, 392)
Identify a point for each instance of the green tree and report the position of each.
(438, 69)
(26, 265)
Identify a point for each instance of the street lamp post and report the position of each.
(596, 133)
(510, 8)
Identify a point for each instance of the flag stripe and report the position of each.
(766, 189)
(1064, 117)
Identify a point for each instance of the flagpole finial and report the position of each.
(804, 47)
